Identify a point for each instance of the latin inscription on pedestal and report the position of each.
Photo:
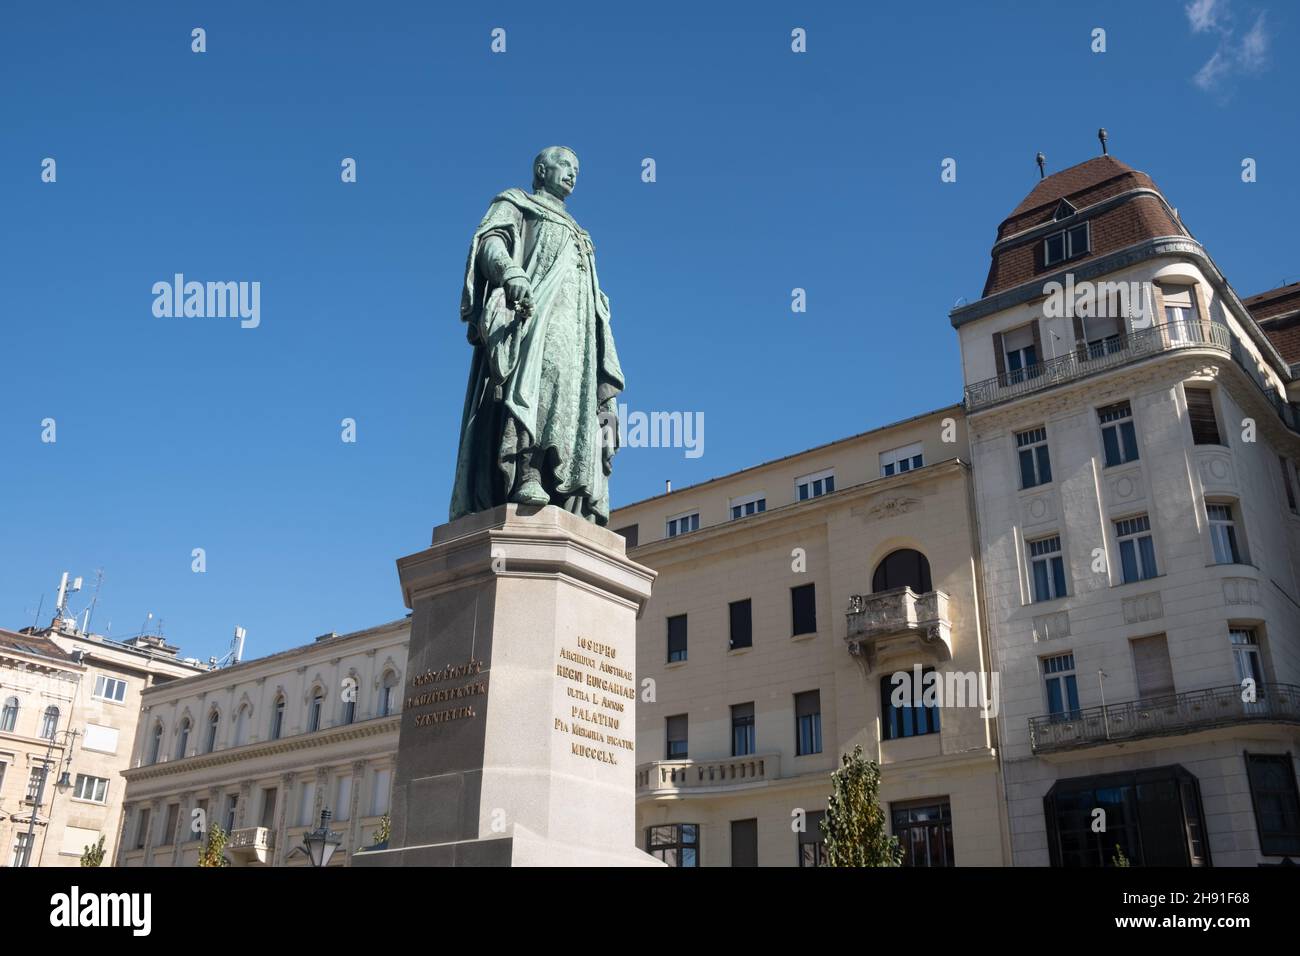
(598, 690)
(454, 683)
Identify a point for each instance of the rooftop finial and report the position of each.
(1042, 165)
(1101, 135)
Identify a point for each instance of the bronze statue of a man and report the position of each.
(539, 425)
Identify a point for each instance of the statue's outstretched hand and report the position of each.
(519, 297)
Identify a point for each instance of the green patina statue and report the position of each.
(540, 424)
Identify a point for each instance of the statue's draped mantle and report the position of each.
(544, 381)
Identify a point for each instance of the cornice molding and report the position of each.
(322, 738)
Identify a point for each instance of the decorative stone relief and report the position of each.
(1052, 627)
(1143, 607)
(1240, 591)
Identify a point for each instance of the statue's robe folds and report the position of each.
(537, 386)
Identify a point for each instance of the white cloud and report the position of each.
(1203, 14)
(1247, 53)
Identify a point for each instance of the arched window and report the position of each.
(241, 725)
(277, 718)
(350, 701)
(155, 747)
(388, 694)
(183, 739)
(50, 723)
(313, 715)
(902, 568)
(9, 716)
(214, 721)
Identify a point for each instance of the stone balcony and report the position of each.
(1164, 716)
(251, 845)
(686, 777)
(899, 626)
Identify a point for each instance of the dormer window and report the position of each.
(1064, 210)
(1066, 244)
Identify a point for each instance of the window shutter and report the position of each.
(1200, 412)
(1000, 356)
(1038, 341)
(1155, 676)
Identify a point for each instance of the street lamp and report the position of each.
(63, 783)
(320, 844)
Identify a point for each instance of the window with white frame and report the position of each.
(1020, 356)
(814, 486)
(1137, 550)
(1245, 655)
(94, 789)
(1035, 458)
(110, 688)
(1061, 686)
(1047, 568)
(1118, 436)
(681, 524)
(1180, 311)
(898, 460)
(748, 505)
(1223, 533)
(1066, 244)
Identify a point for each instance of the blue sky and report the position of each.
(775, 170)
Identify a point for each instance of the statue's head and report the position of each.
(556, 170)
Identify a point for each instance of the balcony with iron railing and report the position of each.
(899, 623)
(1098, 357)
(684, 777)
(1164, 716)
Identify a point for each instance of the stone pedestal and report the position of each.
(519, 707)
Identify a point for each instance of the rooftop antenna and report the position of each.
(1042, 165)
(1101, 135)
(90, 611)
(61, 602)
(668, 487)
(144, 628)
(236, 652)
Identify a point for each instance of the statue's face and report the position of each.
(559, 173)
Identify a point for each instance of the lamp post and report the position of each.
(63, 783)
(320, 844)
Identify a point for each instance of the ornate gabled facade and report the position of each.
(262, 747)
(1134, 439)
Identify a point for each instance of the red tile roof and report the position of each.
(1278, 313)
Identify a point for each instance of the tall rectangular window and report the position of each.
(1246, 656)
(1047, 568)
(1061, 685)
(22, 850)
(803, 609)
(1020, 356)
(381, 792)
(924, 831)
(193, 830)
(142, 828)
(676, 733)
(742, 631)
(903, 711)
(682, 524)
(812, 843)
(307, 804)
(808, 722)
(1200, 412)
(742, 730)
(744, 842)
(898, 460)
(677, 638)
(1277, 803)
(1137, 550)
(1118, 436)
(269, 798)
(36, 784)
(1180, 313)
(1223, 533)
(748, 505)
(1287, 484)
(232, 807)
(168, 836)
(1035, 461)
(814, 486)
(343, 803)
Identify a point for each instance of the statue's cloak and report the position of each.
(541, 382)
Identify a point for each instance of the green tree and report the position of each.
(854, 824)
(93, 853)
(213, 850)
(385, 829)
(1119, 859)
